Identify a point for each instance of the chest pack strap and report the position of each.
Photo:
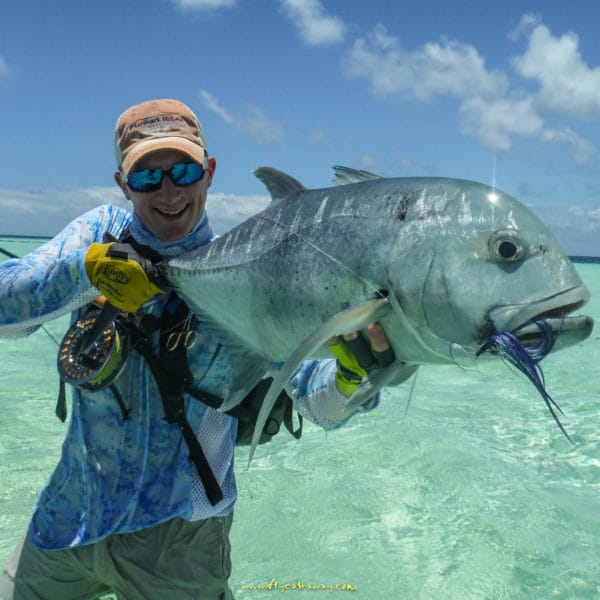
(172, 375)
(248, 410)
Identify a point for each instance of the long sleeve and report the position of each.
(51, 280)
(316, 396)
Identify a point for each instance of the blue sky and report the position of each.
(499, 92)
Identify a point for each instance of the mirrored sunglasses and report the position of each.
(150, 180)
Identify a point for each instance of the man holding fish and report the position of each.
(141, 502)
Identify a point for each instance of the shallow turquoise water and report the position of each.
(472, 494)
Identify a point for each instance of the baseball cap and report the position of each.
(158, 125)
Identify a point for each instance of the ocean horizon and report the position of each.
(16, 238)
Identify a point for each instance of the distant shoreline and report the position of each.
(25, 237)
(577, 259)
(585, 259)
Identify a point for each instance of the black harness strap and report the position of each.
(172, 374)
(171, 371)
(61, 402)
(174, 378)
(176, 323)
(124, 410)
(247, 412)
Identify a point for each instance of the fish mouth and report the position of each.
(555, 310)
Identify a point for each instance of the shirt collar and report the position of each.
(200, 235)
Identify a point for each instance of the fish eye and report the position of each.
(508, 250)
(507, 246)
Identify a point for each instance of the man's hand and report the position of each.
(127, 279)
(357, 357)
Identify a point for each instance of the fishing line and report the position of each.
(452, 346)
(410, 394)
(322, 252)
(7, 253)
(42, 327)
(378, 291)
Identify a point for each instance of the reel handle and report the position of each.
(106, 316)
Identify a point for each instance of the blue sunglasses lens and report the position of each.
(186, 173)
(147, 180)
(150, 180)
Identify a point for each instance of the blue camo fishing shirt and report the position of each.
(117, 475)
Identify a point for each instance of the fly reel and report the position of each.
(93, 364)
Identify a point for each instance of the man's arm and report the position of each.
(51, 280)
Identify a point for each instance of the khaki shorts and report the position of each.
(176, 559)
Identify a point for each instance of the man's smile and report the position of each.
(171, 212)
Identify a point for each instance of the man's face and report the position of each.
(170, 212)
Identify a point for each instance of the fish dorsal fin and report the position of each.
(280, 184)
(346, 175)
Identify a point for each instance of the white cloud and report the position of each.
(45, 212)
(367, 162)
(254, 122)
(568, 85)
(228, 210)
(576, 228)
(494, 121)
(448, 68)
(203, 4)
(315, 27)
(527, 23)
(493, 109)
(580, 148)
(212, 104)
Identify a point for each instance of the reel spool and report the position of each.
(97, 365)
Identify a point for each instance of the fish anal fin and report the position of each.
(352, 319)
(393, 374)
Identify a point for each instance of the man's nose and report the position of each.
(168, 187)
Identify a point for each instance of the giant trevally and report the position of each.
(441, 263)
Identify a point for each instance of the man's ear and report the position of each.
(212, 166)
(122, 184)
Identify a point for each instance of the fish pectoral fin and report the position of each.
(376, 381)
(405, 372)
(244, 380)
(352, 319)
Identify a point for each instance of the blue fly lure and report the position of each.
(509, 348)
